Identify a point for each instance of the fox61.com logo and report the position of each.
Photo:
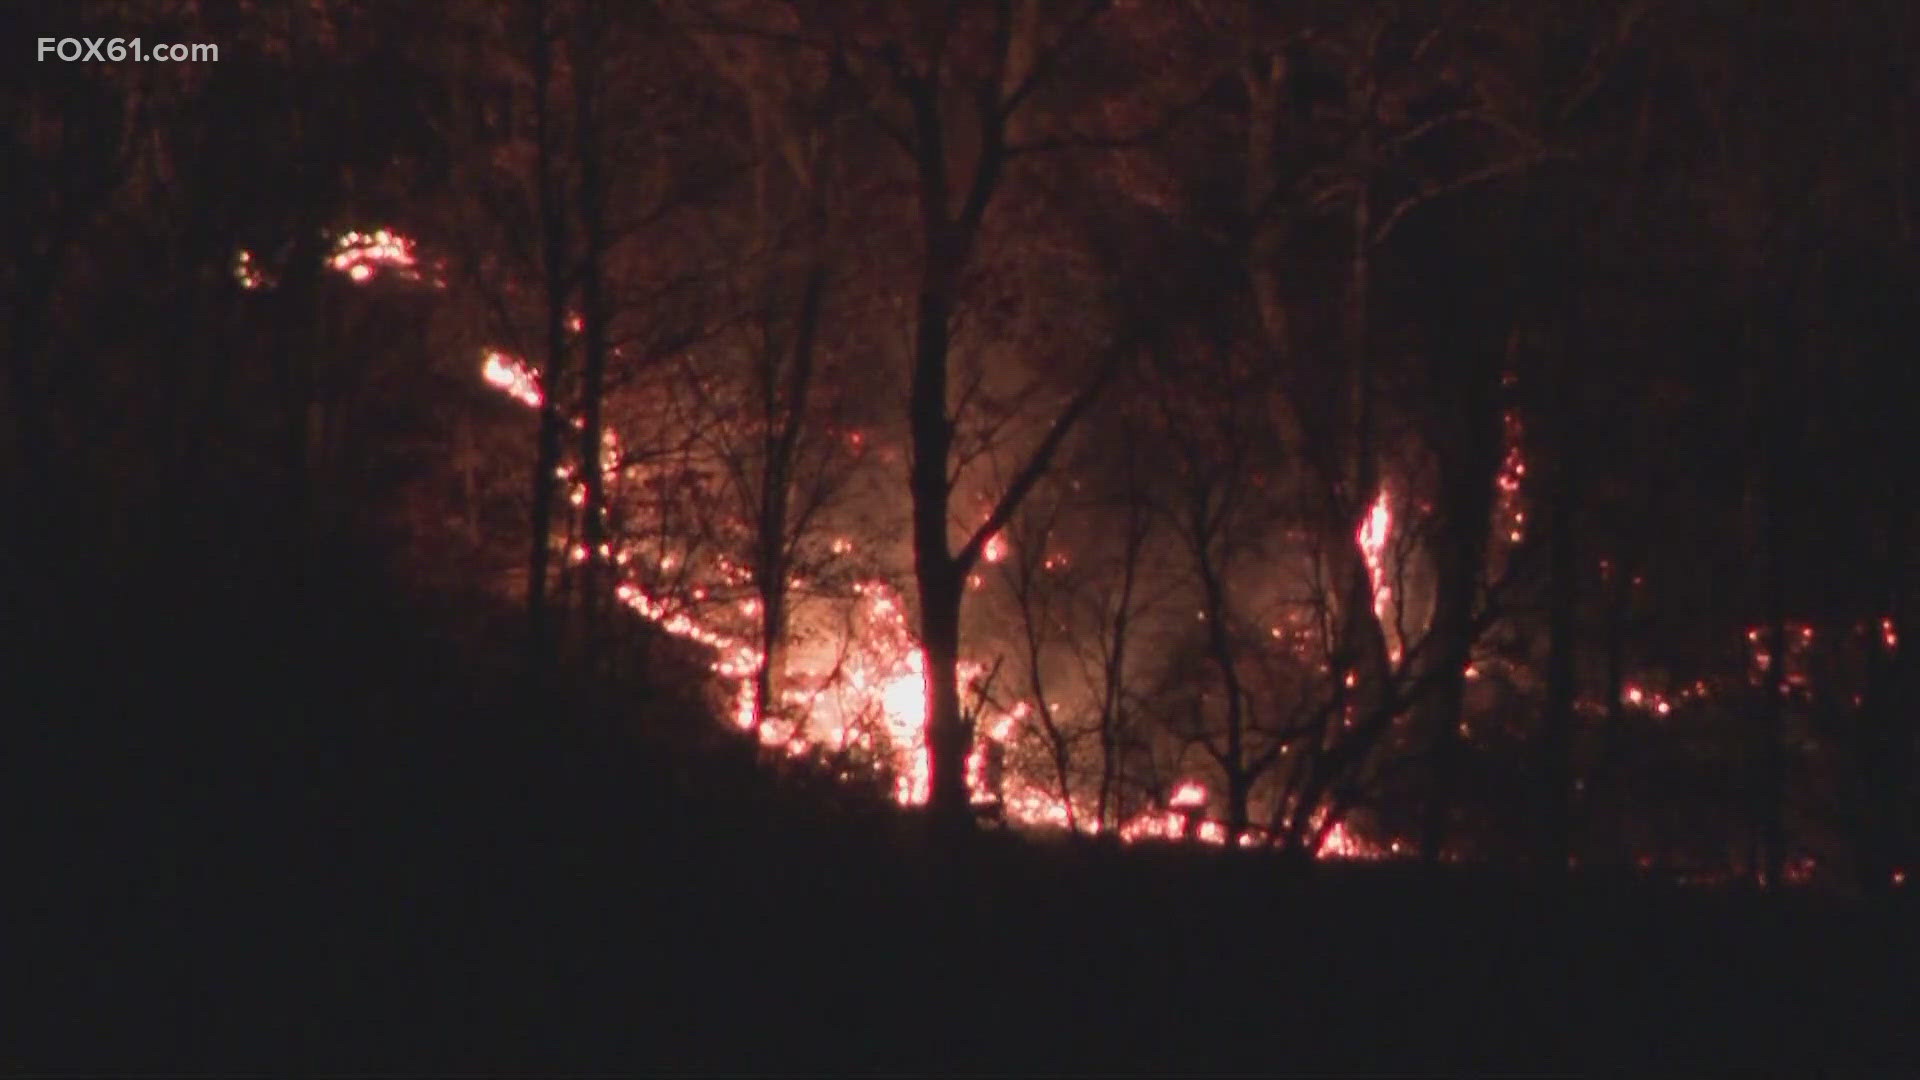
(73, 49)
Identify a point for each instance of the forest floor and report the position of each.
(346, 848)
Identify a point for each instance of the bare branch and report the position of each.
(1045, 63)
(1042, 458)
(1431, 192)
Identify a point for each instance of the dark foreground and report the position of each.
(342, 847)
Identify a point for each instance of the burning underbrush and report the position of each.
(852, 700)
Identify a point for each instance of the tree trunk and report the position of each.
(1233, 763)
(1557, 744)
(1612, 816)
(1467, 477)
(773, 637)
(1059, 749)
(785, 416)
(1441, 711)
(948, 737)
(1112, 707)
(553, 225)
(1772, 789)
(1771, 794)
(593, 315)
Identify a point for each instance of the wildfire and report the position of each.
(995, 548)
(1373, 545)
(867, 689)
(1373, 535)
(508, 374)
(1340, 843)
(361, 255)
(1513, 468)
(1661, 703)
(247, 271)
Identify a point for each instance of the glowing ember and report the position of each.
(1341, 844)
(1373, 543)
(1373, 535)
(360, 255)
(248, 272)
(1658, 703)
(1165, 825)
(995, 548)
(867, 690)
(1513, 467)
(510, 375)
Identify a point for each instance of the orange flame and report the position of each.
(510, 375)
(1372, 537)
(359, 255)
(869, 688)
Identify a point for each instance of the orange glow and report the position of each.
(1373, 536)
(1373, 544)
(1188, 795)
(247, 272)
(510, 375)
(1002, 729)
(995, 548)
(1513, 467)
(1659, 703)
(866, 689)
(360, 255)
(1342, 844)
